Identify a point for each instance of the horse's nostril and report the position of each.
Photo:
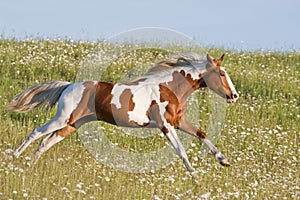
(235, 96)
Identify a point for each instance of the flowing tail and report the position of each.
(37, 95)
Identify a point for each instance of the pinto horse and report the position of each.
(156, 100)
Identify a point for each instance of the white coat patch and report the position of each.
(143, 95)
(70, 99)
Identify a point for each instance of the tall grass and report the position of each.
(260, 137)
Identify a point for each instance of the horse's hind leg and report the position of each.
(59, 135)
(58, 122)
(53, 125)
(66, 104)
(51, 140)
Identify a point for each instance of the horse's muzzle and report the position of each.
(232, 98)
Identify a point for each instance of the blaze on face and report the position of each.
(217, 79)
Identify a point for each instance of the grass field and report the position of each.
(261, 134)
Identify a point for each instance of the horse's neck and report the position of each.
(184, 84)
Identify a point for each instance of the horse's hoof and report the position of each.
(225, 163)
(16, 154)
(221, 159)
(194, 175)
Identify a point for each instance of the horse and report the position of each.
(156, 100)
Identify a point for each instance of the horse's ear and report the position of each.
(219, 61)
(210, 58)
(222, 57)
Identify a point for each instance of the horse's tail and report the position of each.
(37, 95)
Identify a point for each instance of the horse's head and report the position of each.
(218, 80)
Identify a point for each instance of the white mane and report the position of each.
(189, 62)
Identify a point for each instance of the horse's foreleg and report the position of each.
(171, 134)
(51, 140)
(187, 127)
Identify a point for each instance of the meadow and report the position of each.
(260, 137)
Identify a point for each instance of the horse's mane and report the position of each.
(189, 60)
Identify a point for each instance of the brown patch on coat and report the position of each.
(126, 100)
(103, 98)
(173, 112)
(121, 115)
(183, 84)
(165, 130)
(150, 110)
(67, 129)
(153, 113)
(86, 107)
(176, 92)
(108, 112)
(201, 134)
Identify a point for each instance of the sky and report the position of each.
(236, 24)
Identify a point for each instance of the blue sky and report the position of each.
(255, 24)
